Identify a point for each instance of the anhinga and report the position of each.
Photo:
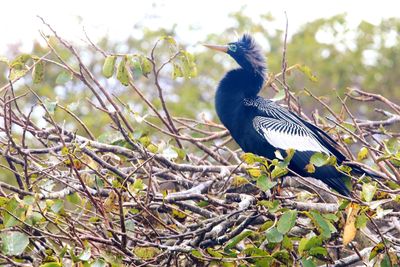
(261, 126)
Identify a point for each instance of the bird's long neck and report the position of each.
(237, 85)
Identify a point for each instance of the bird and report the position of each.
(262, 126)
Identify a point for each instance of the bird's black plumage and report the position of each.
(261, 126)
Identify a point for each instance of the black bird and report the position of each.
(261, 126)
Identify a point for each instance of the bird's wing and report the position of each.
(284, 134)
(284, 129)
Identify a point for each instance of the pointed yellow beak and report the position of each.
(222, 48)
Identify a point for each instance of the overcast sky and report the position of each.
(117, 17)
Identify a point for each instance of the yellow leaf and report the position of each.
(38, 72)
(310, 168)
(239, 181)
(249, 158)
(350, 230)
(178, 214)
(90, 162)
(64, 151)
(362, 154)
(109, 66)
(123, 71)
(152, 148)
(146, 253)
(254, 172)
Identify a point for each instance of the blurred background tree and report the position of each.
(366, 58)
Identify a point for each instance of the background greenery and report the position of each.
(364, 58)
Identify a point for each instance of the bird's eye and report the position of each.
(232, 47)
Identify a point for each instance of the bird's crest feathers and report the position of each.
(254, 54)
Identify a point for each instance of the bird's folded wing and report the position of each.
(285, 134)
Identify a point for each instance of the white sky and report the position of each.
(117, 17)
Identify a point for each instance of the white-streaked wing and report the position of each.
(284, 134)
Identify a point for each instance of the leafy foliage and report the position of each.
(115, 156)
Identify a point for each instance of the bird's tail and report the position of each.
(360, 171)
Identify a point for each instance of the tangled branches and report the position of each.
(75, 198)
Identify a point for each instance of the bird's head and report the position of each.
(246, 52)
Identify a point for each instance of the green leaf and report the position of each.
(196, 253)
(307, 71)
(319, 159)
(58, 206)
(51, 264)
(14, 243)
(29, 200)
(170, 40)
(234, 241)
(282, 256)
(386, 262)
(361, 221)
(138, 184)
(112, 258)
(152, 148)
(123, 71)
(379, 248)
(278, 172)
(98, 263)
(393, 145)
(302, 245)
(215, 253)
(287, 221)
(315, 241)
(63, 77)
(86, 254)
(308, 263)
(267, 261)
(362, 154)
(145, 65)
(273, 235)
(330, 217)
(318, 251)
(264, 183)
(20, 61)
(368, 191)
(321, 223)
(17, 73)
(146, 253)
(50, 105)
(287, 243)
(74, 198)
(349, 127)
(188, 65)
(177, 71)
(181, 152)
(255, 251)
(38, 72)
(109, 66)
(34, 218)
(16, 211)
(272, 206)
(345, 168)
